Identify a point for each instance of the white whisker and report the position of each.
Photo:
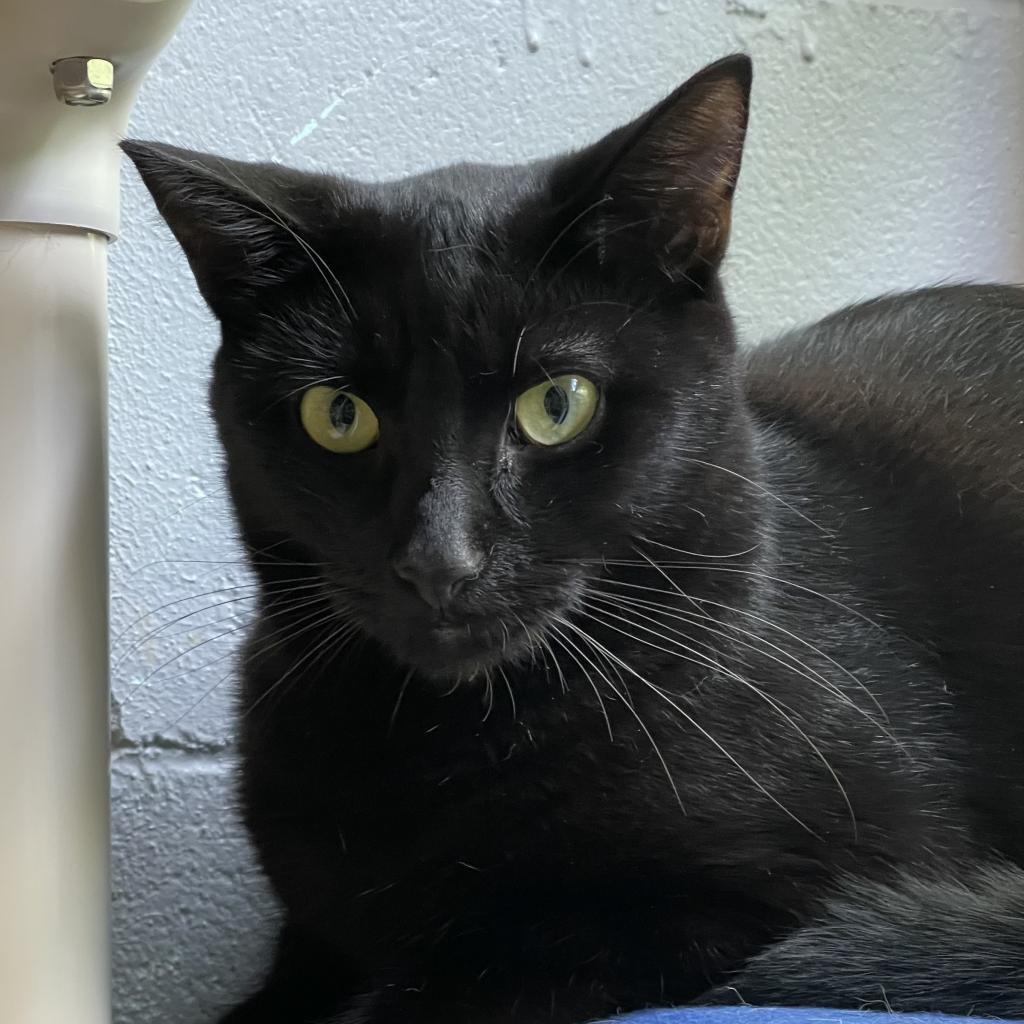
(707, 735)
(587, 638)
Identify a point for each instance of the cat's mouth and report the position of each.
(459, 649)
(461, 643)
(465, 647)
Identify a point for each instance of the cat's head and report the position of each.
(452, 396)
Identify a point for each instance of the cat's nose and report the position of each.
(438, 577)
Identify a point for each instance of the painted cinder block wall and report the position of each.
(886, 151)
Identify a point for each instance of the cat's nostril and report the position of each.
(438, 579)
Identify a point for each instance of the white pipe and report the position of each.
(58, 208)
(53, 757)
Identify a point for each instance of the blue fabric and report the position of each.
(778, 1015)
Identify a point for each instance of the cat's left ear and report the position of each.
(244, 227)
(659, 190)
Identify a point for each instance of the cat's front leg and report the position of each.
(305, 985)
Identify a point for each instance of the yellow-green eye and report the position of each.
(338, 420)
(557, 410)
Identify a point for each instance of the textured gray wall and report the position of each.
(885, 151)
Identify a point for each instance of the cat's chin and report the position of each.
(450, 653)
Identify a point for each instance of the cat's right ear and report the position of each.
(244, 227)
(655, 196)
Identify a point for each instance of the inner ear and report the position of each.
(244, 227)
(657, 193)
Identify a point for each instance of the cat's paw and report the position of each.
(257, 1009)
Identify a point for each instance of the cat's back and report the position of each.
(915, 405)
(933, 378)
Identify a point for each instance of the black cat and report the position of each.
(601, 665)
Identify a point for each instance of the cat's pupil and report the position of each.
(343, 413)
(556, 404)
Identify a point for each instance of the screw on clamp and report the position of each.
(83, 81)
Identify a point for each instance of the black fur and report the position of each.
(732, 702)
(952, 941)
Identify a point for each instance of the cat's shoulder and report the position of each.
(935, 374)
